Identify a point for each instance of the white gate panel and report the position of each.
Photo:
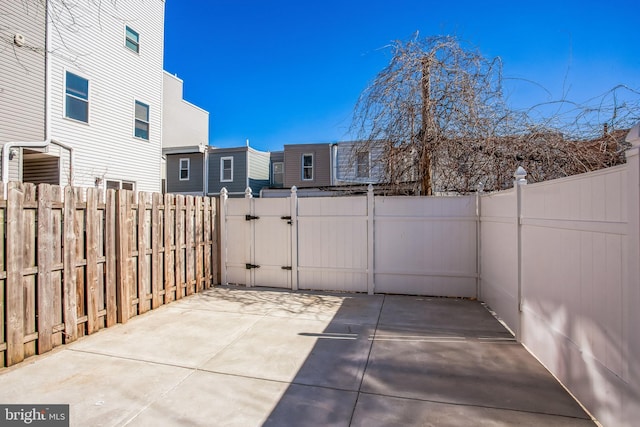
(238, 241)
(272, 240)
(332, 244)
(426, 246)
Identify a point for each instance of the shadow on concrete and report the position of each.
(421, 361)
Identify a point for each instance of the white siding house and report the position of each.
(184, 124)
(22, 80)
(185, 140)
(358, 163)
(105, 93)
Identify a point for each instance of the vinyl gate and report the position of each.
(405, 245)
(258, 242)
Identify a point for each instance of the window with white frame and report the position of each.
(278, 173)
(226, 169)
(184, 169)
(132, 39)
(141, 120)
(362, 165)
(76, 97)
(307, 167)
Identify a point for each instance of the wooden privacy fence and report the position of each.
(74, 261)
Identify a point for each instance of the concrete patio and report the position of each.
(251, 357)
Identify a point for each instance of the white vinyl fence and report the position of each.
(558, 261)
(559, 264)
(404, 245)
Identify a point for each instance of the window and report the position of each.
(226, 169)
(307, 167)
(278, 174)
(184, 169)
(76, 94)
(362, 165)
(142, 121)
(132, 40)
(120, 185)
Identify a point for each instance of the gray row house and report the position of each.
(309, 167)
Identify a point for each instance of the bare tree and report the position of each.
(438, 117)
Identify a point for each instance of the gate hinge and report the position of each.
(250, 266)
(250, 217)
(286, 218)
(284, 267)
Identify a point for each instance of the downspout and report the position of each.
(248, 166)
(6, 148)
(333, 156)
(205, 172)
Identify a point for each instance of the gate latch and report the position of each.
(284, 267)
(286, 218)
(248, 217)
(250, 266)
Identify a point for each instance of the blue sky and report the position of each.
(284, 72)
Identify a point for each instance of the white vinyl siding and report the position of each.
(226, 169)
(184, 169)
(22, 72)
(116, 79)
(183, 124)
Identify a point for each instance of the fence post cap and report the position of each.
(480, 187)
(248, 193)
(633, 137)
(520, 176)
(224, 192)
(294, 189)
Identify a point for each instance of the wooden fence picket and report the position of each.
(110, 258)
(14, 287)
(69, 302)
(73, 261)
(46, 290)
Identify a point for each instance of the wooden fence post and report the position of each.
(110, 255)
(46, 290)
(199, 243)
(123, 228)
(143, 235)
(70, 311)
(14, 287)
(189, 245)
(169, 277)
(92, 233)
(207, 241)
(179, 254)
(156, 233)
